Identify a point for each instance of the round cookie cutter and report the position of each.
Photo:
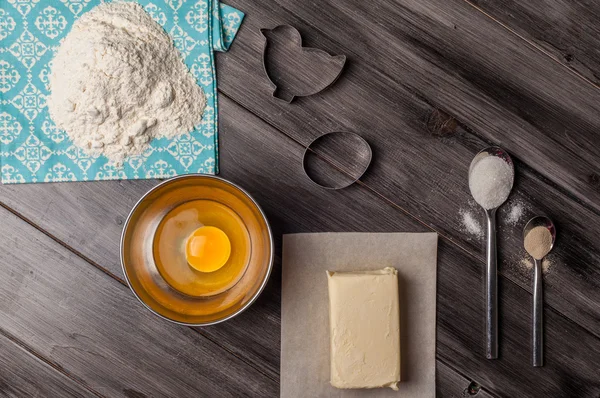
(336, 160)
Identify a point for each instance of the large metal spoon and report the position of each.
(538, 302)
(491, 299)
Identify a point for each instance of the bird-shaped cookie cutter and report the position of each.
(297, 71)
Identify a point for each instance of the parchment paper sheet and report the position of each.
(305, 307)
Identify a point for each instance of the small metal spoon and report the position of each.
(538, 302)
(491, 300)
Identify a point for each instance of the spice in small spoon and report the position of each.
(538, 242)
(539, 235)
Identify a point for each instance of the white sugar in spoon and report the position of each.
(491, 177)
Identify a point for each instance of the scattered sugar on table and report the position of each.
(516, 211)
(470, 224)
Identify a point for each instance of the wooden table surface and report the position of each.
(428, 83)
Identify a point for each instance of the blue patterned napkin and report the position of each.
(32, 149)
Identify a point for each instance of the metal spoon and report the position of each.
(491, 299)
(538, 302)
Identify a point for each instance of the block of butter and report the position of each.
(364, 318)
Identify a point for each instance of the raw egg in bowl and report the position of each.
(197, 250)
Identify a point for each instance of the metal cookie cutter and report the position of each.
(336, 160)
(296, 71)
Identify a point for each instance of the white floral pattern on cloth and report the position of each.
(7, 24)
(156, 13)
(28, 49)
(76, 6)
(9, 128)
(30, 101)
(33, 153)
(198, 16)
(9, 76)
(23, 6)
(59, 173)
(51, 22)
(11, 175)
(33, 149)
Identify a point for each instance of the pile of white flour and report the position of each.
(117, 82)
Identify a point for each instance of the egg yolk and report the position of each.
(207, 249)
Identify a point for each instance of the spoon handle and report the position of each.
(538, 321)
(491, 319)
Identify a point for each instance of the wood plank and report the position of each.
(21, 373)
(452, 384)
(566, 31)
(255, 328)
(512, 375)
(421, 169)
(86, 218)
(464, 63)
(249, 151)
(93, 328)
(275, 193)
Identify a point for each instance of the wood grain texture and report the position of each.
(92, 326)
(564, 30)
(21, 373)
(256, 322)
(421, 160)
(248, 336)
(428, 83)
(452, 385)
(294, 204)
(466, 64)
(512, 374)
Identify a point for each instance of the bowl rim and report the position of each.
(243, 191)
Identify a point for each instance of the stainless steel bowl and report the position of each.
(142, 274)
